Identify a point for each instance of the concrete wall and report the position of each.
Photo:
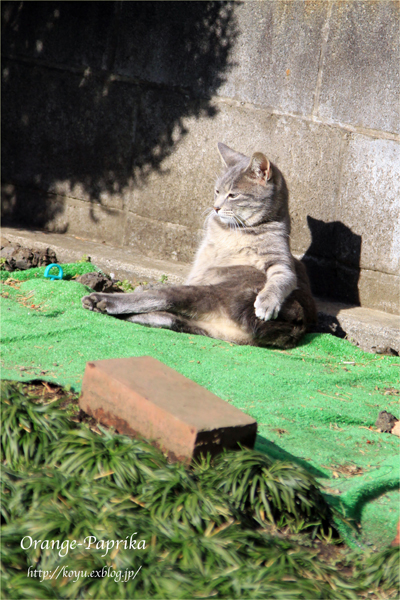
(111, 113)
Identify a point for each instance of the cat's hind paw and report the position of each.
(95, 302)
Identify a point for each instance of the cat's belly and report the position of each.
(223, 328)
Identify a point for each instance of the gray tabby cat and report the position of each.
(244, 286)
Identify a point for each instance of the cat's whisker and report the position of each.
(246, 225)
(236, 225)
(207, 219)
(240, 221)
(209, 209)
(243, 223)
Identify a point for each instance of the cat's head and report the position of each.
(251, 191)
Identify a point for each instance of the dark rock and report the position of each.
(98, 282)
(386, 421)
(16, 257)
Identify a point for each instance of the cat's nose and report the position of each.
(217, 208)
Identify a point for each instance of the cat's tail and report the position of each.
(290, 326)
(279, 334)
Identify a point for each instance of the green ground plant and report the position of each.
(27, 429)
(126, 286)
(213, 530)
(85, 259)
(274, 491)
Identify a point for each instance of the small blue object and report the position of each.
(51, 276)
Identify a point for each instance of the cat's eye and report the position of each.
(233, 196)
(216, 191)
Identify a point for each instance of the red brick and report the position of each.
(396, 541)
(143, 397)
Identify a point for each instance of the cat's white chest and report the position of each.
(221, 248)
(231, 249)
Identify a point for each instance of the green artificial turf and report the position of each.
(314, 404)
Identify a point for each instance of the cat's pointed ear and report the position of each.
(259, 168)
(229, 157)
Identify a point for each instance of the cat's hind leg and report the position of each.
(165, 320)
(184, 300)
(125, 304)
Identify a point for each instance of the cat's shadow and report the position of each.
(333, 261)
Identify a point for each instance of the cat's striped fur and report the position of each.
(245, 286)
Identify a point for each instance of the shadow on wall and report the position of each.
(94, 95)
(333, 261)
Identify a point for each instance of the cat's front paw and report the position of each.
(267, 307)
(96, 302)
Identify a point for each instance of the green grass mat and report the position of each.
(314, 404)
